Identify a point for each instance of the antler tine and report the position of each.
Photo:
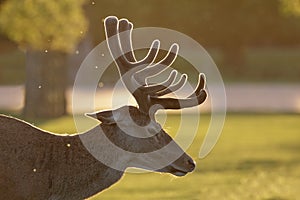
(171, 103)
(171, 56)
(125, 28)
(174, 87)
(200, 86)
(153, 89)
(152, 53)
(159, 67)
(199, 95)
(110, 25)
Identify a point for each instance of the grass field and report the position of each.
(257, 157)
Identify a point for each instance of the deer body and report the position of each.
(39, 165)
(35, 164)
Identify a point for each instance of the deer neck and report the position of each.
(118, 150)
(132, 151)
(87, 163)
(101, 141)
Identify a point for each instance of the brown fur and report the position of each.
(39, 165)
(35, 164)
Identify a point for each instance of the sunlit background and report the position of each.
(255, 44)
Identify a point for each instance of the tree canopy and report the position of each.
(43, 24)
(291, 7)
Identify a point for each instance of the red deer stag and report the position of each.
(36, 164)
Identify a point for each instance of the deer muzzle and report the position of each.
(183, 165)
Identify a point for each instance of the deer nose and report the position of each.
(191, 164)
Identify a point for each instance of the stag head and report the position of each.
(138, 123)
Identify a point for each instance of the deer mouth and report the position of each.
(177, 172)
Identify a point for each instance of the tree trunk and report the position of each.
(45, 84)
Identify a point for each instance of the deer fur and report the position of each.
(36, 164)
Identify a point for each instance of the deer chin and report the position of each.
(178, 173)
(175, 170)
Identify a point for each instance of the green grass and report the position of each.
(256, 158)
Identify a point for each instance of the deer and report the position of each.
(37, 164)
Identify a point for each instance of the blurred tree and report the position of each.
(234, 25)
(291, 7)
(47, 30)
(1, 2)
(231, 25)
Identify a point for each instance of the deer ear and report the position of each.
(106, 117)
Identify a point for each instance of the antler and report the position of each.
(135, 73)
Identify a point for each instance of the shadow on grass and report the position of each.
(250, 165)
(276, 198)
(257, 163)
(291, 147)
